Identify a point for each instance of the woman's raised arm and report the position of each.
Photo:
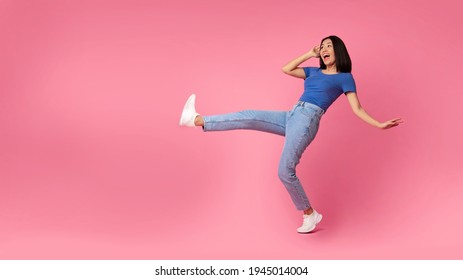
(292, 68)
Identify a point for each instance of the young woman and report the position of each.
(322, 86)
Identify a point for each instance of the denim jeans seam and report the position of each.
(263, 121)
(301, 191)
(295, 160)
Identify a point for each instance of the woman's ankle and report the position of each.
(199, 121)
(308, 211)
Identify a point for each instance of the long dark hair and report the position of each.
(343, 62)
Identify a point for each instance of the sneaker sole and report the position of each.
(187, 104)
(319, 218)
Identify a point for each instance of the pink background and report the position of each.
(93, 164)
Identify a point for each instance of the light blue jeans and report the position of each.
(299, 126)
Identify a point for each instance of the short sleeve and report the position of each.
(307, 71)
(348, 85)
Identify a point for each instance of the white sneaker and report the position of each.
(189, 112)
(309, 222)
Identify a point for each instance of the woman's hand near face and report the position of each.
(292, 68)
(315, 51)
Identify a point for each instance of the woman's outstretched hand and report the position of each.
(390, 123)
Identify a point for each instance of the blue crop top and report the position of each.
(323, 89)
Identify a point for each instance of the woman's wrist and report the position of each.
(310, 55)
(377, 124)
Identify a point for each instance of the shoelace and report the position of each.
(307, 220)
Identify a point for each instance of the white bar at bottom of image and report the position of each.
(230, 269)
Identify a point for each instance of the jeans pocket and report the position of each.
(309, 112)
(291, 112)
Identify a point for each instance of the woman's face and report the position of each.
(327, 52)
